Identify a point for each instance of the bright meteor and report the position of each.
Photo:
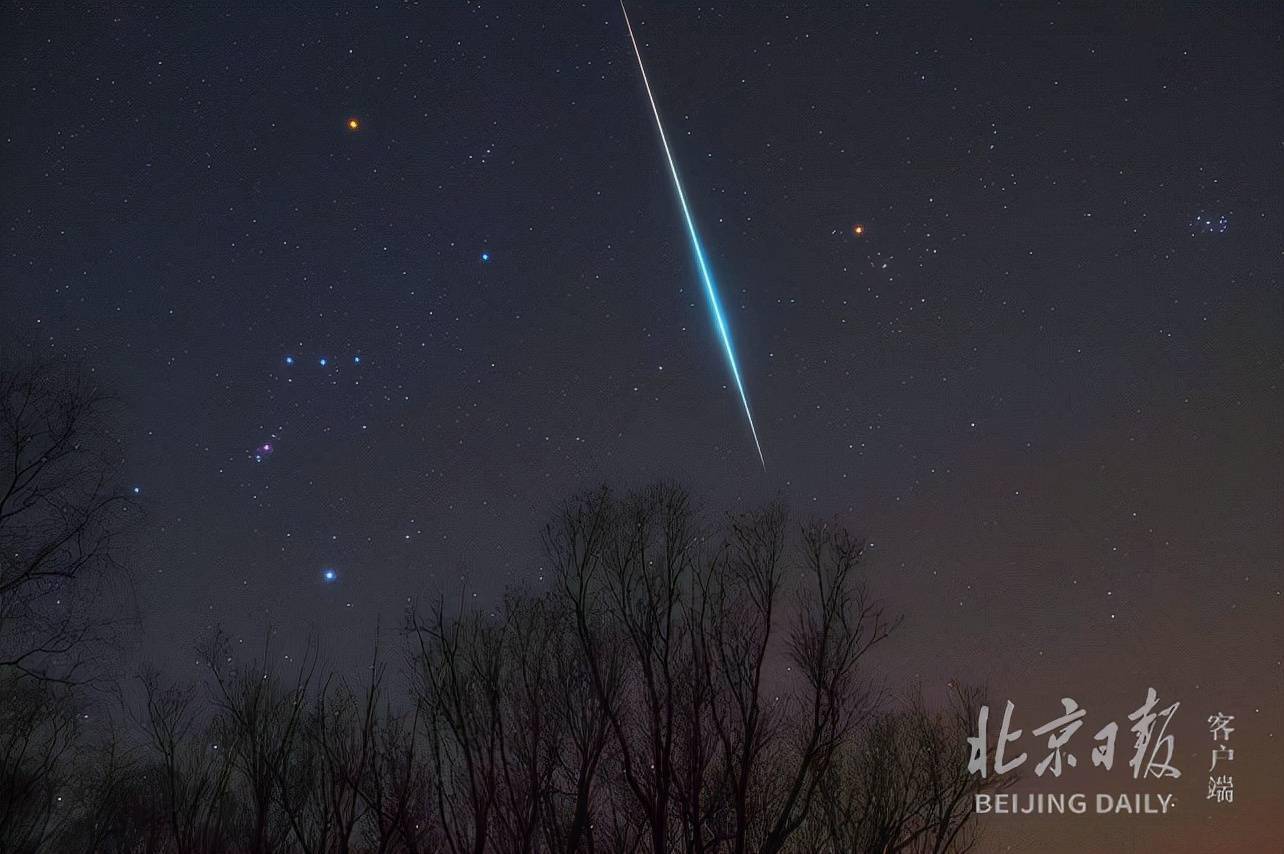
(711, 290)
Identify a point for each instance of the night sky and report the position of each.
(1044, 380)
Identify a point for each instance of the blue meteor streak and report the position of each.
(710, 289)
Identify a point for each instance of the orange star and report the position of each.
(353, 124)
(858, 230)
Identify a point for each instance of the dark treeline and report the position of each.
(686, 683)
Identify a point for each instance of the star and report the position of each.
(485, 257)
(1210, 224)
(353, 124)
(329, 576)
(289, 360)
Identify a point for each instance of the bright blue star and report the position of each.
(324, 361)
(137, 490)
(289, 360)
(329, 575)
(485, 256)
(356, 360)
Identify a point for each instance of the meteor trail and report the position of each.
(711, 291)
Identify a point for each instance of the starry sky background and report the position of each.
(1044, 382)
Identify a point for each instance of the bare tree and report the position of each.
(62, 522)
(397, 787)
(458, 688)
(836, 624)
(111, 812)
(902, 784)
(62, 519)
(39, 730)
(259, 724)
(740, 599)
(678, 624)
(625, 566)
(685, 686)
(192, 773)
(529, 735)
(325, 802)
(498, 740)
(580, 716)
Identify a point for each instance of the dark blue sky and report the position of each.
(1039, 382)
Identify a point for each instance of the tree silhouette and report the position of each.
(62, 520)
(678, 623)
(687, 684)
